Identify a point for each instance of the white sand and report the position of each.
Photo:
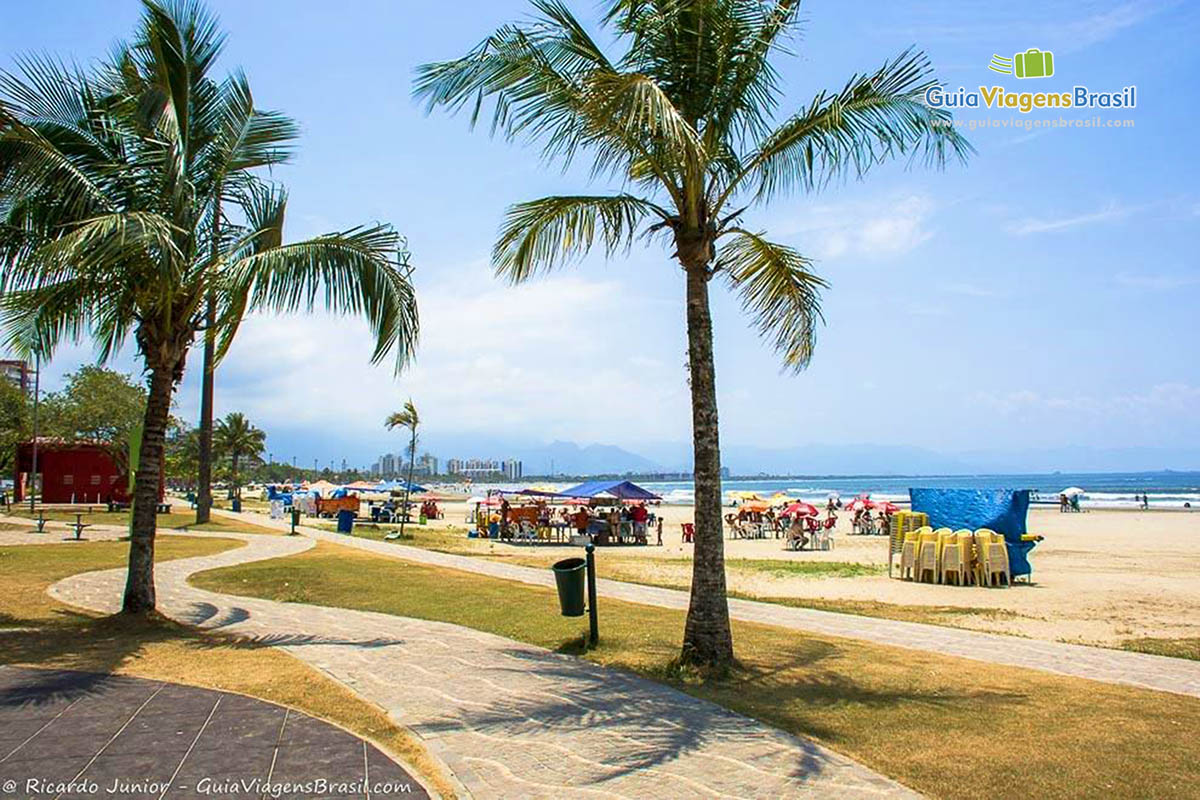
(1100, 576)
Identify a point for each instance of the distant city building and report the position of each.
(511, 468)
(426, 465)
(387, 465)
(18, 373)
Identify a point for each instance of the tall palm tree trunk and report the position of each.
(204, 498)
(707, 639)
(139, 583)
(412, 454)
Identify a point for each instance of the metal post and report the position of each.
(593, 622)
(37, 377)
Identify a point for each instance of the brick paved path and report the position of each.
(1177, 675)
(509, 719)
(121, 737)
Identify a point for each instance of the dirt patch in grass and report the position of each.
(1007, 732)
(38, 631)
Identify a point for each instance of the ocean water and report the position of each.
(1104, 490)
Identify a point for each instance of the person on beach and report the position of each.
(796, 533)
(581, 519)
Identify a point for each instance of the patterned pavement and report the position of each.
(81, 734)
(508, 719)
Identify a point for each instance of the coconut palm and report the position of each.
(129, 202)
(685, 118)
(237, 440)
(406, 417)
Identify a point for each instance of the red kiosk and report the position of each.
(72, 472)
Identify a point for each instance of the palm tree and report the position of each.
(129, 202)
(406, 417)
(685, 117)
(236, 439)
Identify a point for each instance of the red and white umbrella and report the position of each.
(859, 503)
(886, 507)
(801, 508)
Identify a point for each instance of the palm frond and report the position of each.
(873, 118)
(541, 235)
(778, 290)
(362, 271)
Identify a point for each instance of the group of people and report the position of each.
(800, 530)
(866, 523)
(602, 525)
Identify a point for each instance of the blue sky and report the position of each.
(1043, 295)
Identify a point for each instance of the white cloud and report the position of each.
(491, 358)
(970, 290)
(1162, 398)
(1100, 27)
(1157, 282)
(1108, 213)
(880, 228)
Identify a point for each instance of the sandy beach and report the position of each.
(1100, 577)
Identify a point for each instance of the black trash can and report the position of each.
(237, 505)
(345, 521)
(569, 576)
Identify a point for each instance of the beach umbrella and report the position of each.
(756, 505)
(887, 508)
(860, 503)
(1072, 491)
(745, 495)
(805, 509)
(779, 498)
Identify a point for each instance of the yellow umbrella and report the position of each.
(744, 495)
(779, 498)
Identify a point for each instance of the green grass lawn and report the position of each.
(180, 520)
(38, 631)
(948, 727)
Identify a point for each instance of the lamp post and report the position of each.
(37, 377)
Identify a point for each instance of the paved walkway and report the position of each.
(121, 737)
(1176, 675)
(509, 719)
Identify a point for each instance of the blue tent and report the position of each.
(622, 490)
(398, 486)
(1000, 510)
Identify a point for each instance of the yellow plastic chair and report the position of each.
(997, 562)
(908, 552)
(928, 555)
(956, 558)
(983, 540)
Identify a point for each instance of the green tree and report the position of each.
(181, 453)
(130, 200)
(685, 117)
(15, 423)
(406, 417)
(235, 439)
(96, 405)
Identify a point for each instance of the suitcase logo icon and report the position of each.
(1033, 63)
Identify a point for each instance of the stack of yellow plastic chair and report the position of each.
(928, 554)
(908, 553)
(983, 540)
(956, 557)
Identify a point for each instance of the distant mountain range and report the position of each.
(572, 458)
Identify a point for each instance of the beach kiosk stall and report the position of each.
(611, 494)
